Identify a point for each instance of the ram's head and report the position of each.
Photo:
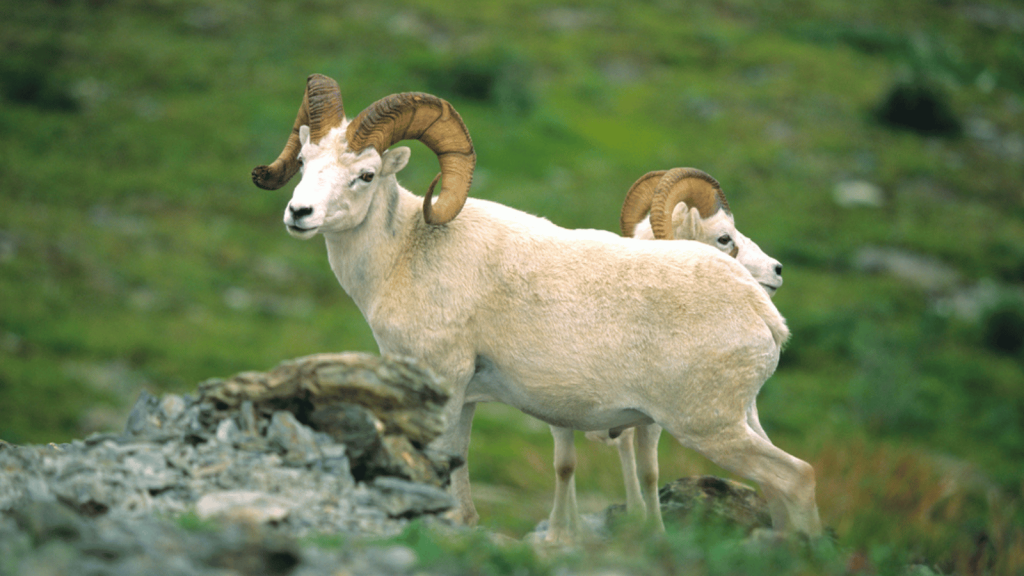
(343, 162)
(688, 204)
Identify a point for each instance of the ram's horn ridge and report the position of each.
(638, 201)
(695, 187)
(436, 123)
(321, 110)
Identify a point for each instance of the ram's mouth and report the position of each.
(300, 232)
(769, 288)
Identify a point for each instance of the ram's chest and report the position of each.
(415, 326)
(397, 329)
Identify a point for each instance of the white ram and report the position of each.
(581, 329)
(688, 204)
(683, 204)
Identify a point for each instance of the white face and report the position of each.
(719, 230)
(337, 186)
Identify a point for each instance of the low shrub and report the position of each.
(920, 106)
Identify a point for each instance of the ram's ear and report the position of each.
(304, 135)
(394, 159)
(688, 224)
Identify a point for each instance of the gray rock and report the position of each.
(293, 439)
(172, 406)
(248, 506)
(407, 398)
(385, 410)
(351, 424)
(143, 419)
(404, 499)
(44, 521)
(852, 193)
(922, 271)
(713, 497)
(227, 460)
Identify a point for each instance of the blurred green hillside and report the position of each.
(875, 148)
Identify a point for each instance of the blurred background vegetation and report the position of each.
(875, 148)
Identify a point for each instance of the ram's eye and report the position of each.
(366, 176)
(724, 239)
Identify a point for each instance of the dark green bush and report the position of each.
(1003, 327)
(496, 77)
(920, 106)
(30, 75)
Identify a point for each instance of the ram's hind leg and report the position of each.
(742, 451)
(565, 516)
(780, 517)
(627, 461)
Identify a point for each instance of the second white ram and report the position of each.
(683, 204)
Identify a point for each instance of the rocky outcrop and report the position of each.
(710, 498)
(326, 444)
(384, 412)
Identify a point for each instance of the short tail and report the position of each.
(780, 332)
(773, 319)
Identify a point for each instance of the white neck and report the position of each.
(362, 257)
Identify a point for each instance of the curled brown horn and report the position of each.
(321, 110)
(695, 187)
(436, 123)
(638, 201)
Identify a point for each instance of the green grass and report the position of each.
(473, 553)
(135, 252)
(191, 522)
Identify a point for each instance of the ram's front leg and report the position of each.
(456, 441)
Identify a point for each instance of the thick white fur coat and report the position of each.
(551, 317)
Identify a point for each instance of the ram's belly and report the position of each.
(558, 399)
